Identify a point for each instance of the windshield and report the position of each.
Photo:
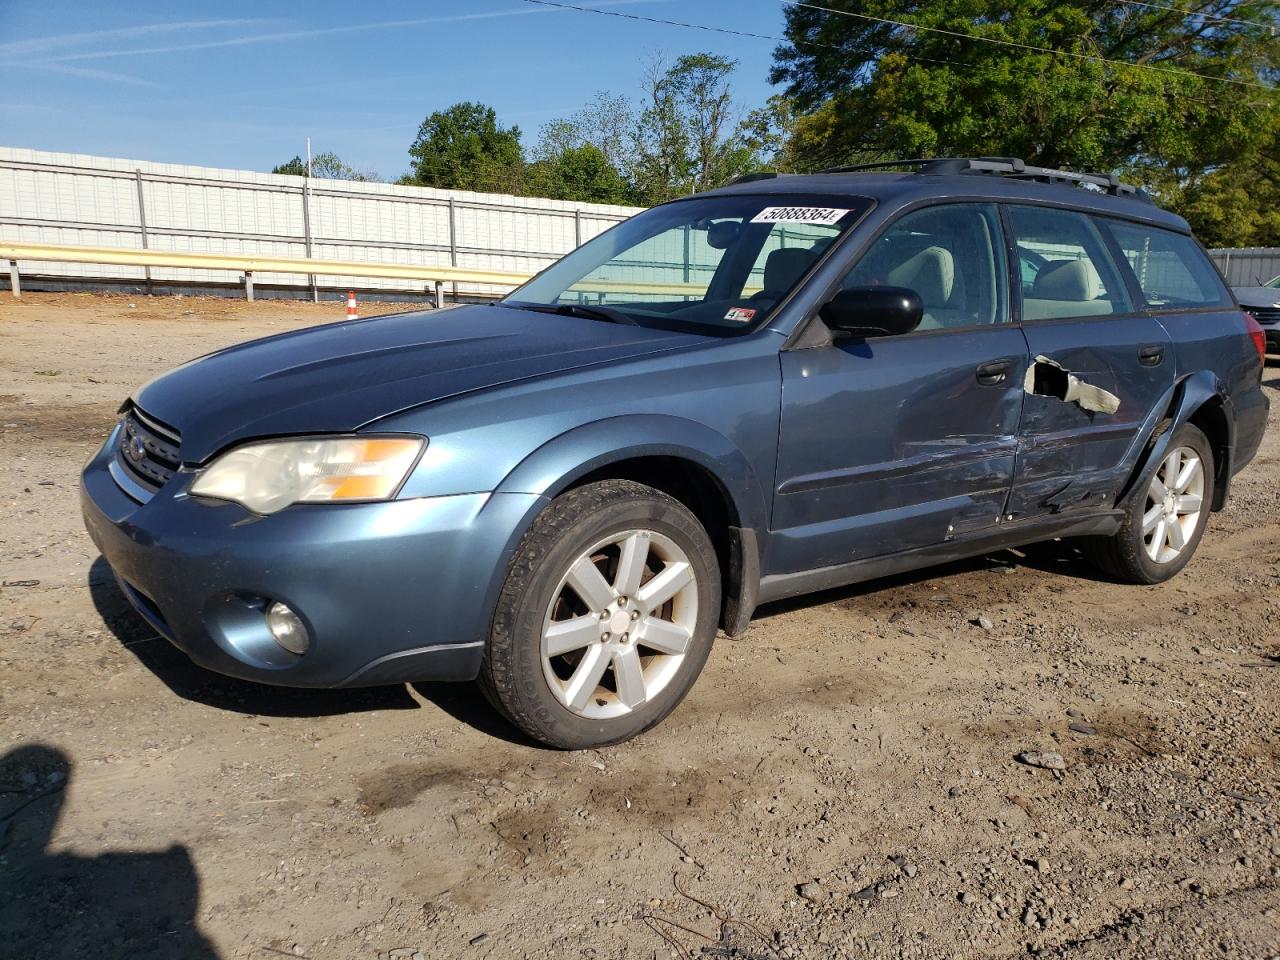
(1274, 284)
(717, 265)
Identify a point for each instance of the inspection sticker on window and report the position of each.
(740, 314)
(823, 215)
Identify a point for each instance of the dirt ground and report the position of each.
(840, 783)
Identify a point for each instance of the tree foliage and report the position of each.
(326, 166)
(1183, 99)
(464, 148)
(688, 136)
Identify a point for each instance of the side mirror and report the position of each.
(873, 311)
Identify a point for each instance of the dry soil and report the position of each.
(840, 783)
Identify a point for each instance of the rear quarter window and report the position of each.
(1171, 269)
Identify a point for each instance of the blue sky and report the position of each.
(241, 84)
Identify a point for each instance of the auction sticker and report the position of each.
(741, 314)
(823, 215)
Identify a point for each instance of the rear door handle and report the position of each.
(1151, 355)
(993, 372)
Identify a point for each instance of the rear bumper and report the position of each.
(389, 592)
(1251, 411)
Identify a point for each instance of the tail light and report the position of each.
(1257, 335)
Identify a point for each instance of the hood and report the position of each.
(1257, 296)
(341, 376)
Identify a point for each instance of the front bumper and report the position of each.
(390, 592)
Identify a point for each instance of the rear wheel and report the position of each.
(1166, 518)
(606, 618)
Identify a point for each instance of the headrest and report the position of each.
(1069, 280)
(785, 266)
(930, 273)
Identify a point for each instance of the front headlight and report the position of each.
(270, 475)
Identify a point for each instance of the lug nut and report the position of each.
(625, 636)
(604, 614)
(622, 601)
(605, 635)
(635, 614)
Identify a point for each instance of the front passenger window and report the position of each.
(951, 255)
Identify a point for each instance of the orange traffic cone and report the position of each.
(352, 313)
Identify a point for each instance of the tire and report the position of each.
(1131, 555)
(553, 630)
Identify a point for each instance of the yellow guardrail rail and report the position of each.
(251, 264)
(247, 264)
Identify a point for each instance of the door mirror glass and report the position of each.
(873, 311)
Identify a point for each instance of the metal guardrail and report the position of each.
(247, 265)
(250, 264)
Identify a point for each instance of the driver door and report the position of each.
(895, 443)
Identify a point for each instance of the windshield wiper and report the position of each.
(606, 314)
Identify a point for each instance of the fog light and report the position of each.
(287, 629)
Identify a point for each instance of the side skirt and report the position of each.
(778, 586)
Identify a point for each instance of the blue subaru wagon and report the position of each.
(780, 386)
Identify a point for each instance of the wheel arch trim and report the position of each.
(1200, 391)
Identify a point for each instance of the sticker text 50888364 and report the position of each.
(823, 215)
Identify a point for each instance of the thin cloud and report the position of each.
(37, 46)
(287, 35)
(90, 73)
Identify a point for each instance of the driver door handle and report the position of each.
(993, 372)
(1151, 355)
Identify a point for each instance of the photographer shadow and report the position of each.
(142, 905)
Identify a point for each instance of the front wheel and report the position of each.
(1166, 518)
(606, 618)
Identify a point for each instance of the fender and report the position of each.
(1180, 403)
(576, 453)
(561, 461)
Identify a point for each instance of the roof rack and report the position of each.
(1010, 167)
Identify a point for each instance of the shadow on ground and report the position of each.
(117, 904)
(462, 701)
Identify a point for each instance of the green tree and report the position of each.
(464, 148)
(581, 173)
(688, 135)
(1183, 95)
(606, 123)
(326, 166)
(1237, 204)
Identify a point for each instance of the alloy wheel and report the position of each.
(1175, 498)
(619, 624)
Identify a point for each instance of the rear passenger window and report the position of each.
(1066, 270)
(1171, 268)
(951, 255)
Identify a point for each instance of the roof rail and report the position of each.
(1010, 167)
(752, 177)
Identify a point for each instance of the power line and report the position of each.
(1007, 43)
(669, 23)
(1218, 18)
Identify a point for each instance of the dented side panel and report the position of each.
(1090, 394)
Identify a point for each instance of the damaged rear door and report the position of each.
(1098, 367)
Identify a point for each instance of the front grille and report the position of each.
(1265, 315)
(147, 455)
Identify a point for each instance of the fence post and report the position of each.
(453, 243)
(577, 228)
(142, 223)
(15, 285)
(440, 294)
(306, 234)
(248, 285)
